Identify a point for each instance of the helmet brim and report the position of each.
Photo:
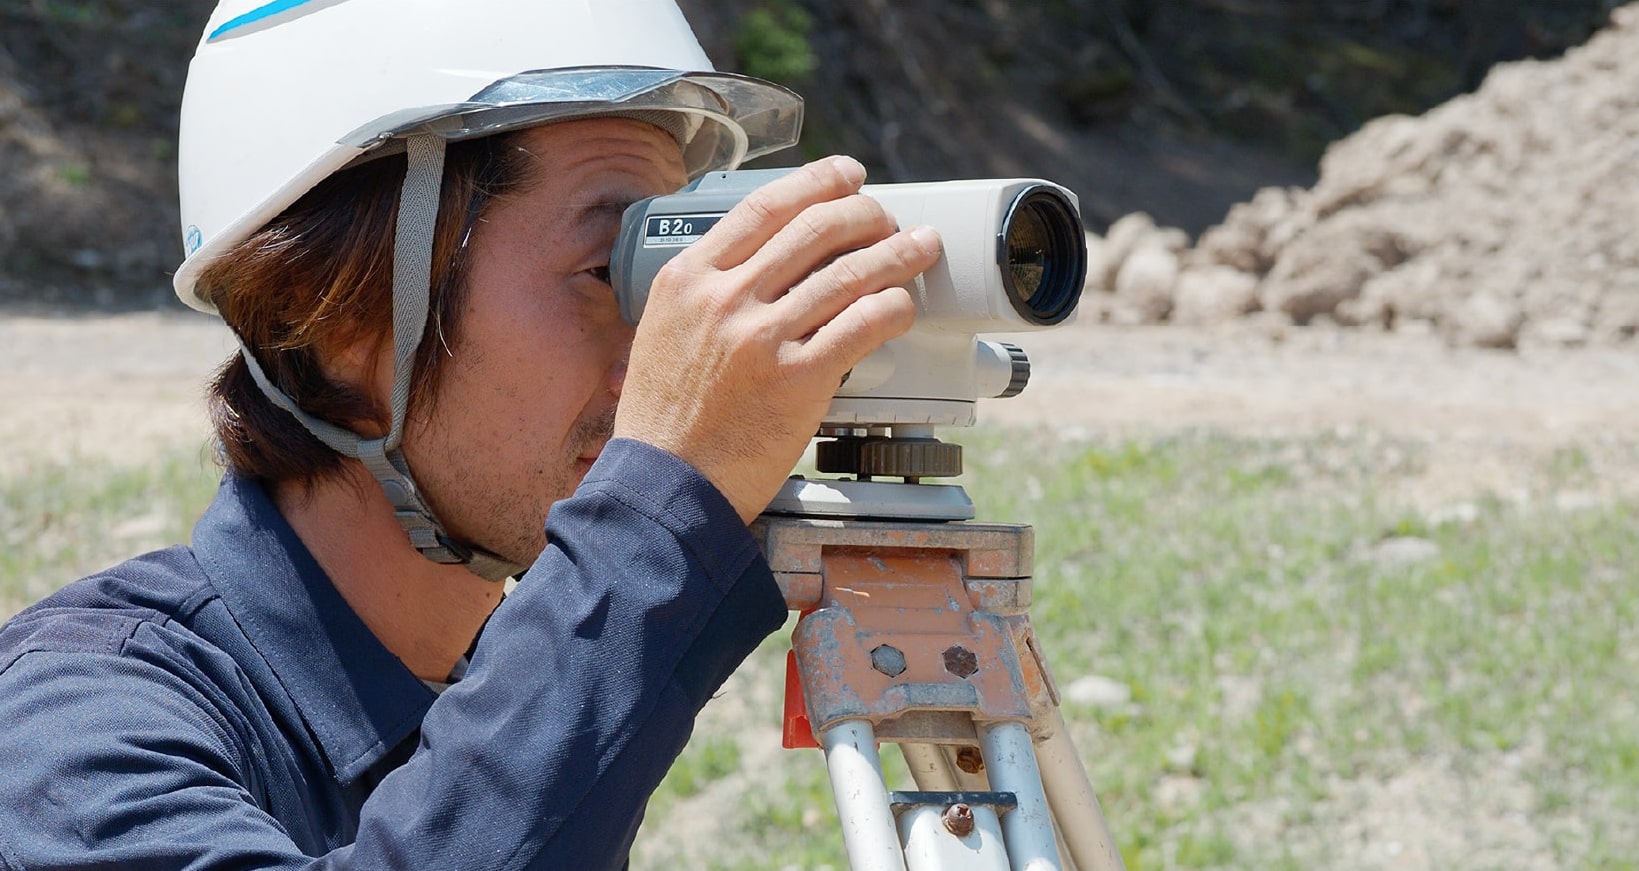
(726, 119)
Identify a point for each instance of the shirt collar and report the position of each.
(357, 698)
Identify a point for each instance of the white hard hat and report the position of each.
(283, 93)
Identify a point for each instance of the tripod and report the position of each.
(917, 632)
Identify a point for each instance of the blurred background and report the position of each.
(1335, 481)
(1178, 109)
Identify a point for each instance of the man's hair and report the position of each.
(319, 278)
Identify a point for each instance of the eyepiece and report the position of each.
(1042, 251)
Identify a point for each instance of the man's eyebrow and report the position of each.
(615, 206)
(600, 216)
(592, 220)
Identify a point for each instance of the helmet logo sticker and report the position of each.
(268, 15)
(192, 239)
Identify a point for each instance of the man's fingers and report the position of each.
(815, 237)
(891, 263)
(768, 209)
(861, 328)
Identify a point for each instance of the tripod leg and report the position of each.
(1010, 759)
(933, 770)
(931, 844)
(1075, 807)
(869, 832)
(929, 767)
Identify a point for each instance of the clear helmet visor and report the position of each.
(719, 119)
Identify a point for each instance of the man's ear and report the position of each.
(365, 364)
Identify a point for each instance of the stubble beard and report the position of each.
(515, 521)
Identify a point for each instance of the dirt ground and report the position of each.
(1479, 421)
(121, 387)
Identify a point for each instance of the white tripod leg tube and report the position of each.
(868, 830)
(1010, 758)
(931, 846)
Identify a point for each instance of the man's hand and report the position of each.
(748, 333)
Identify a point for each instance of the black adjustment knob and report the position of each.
(1021, 370)
(838, 457)
(876, 456)
(910, 458)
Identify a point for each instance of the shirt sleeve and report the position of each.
(581, 692)
(585, 684)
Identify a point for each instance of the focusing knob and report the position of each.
(1021, 370)
(889, 457)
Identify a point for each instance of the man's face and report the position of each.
(527, 400)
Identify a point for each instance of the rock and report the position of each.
(1409, 293)
(1459, 513)
(1326, 267)
(1618, 317)
(1403, 550)
(1209, 295)
(1123, 236)
(1484, 320)
(1144, 286)
(1242, 241)
(1127, 235)
(1182, 758)
(1098, 691)
(1563, 332)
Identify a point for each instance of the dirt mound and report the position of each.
(1501, 218)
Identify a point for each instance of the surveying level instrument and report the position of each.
(915, 625)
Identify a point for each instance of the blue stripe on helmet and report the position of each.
(261, 14)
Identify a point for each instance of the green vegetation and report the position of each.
(1304, 658)
(772, 43)
(1294, 665)
(75, 174)
(60, 520)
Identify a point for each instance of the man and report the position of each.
(405, 212)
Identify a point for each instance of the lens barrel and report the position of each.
(1042, 252)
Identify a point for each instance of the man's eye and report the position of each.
(601, 273)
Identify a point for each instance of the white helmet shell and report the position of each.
(283, 93)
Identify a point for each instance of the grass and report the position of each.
(62, 519)
(1294, 665)
(1320, 676)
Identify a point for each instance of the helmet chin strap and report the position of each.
(412, 278)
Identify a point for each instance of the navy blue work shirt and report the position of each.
(222, 707)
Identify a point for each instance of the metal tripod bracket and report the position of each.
(918, 633)
(922, 629)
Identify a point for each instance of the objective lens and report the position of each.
(1043, 256)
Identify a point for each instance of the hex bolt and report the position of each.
(958, 819)
(889, 660)
(970, 760)
(960, 661)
